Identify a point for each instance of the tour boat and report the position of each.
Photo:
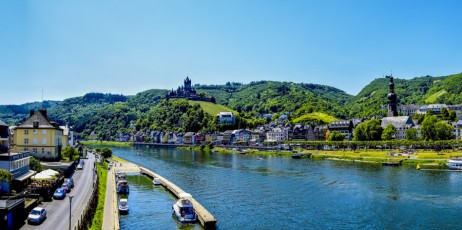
(123, 206)
(156, 181)
(455, 164)
(183, 209)
(122, 187)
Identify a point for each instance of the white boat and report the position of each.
(123, 206)
(183, 209)
(455, 164)
(156, 181)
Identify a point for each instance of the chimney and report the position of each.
(44, 112)
(31, 112)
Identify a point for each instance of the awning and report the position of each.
(25, 176)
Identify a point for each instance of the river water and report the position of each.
(274, 192)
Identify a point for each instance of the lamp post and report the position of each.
(70, 210)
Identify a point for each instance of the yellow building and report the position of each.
(39, 135)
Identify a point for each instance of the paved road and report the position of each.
(58, 210)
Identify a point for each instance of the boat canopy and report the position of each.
(184, 195)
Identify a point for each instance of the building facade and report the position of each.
(40, 136)
(226, 118)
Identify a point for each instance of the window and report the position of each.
(26, 141)
(43, 150)
(26, 132)
(44, 141)
(44, 132)
(26, 149)
(35, 141)
(35, 132)
(34, 150)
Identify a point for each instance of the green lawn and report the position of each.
(107, 143)
(324, 118)
(211, 108)
(435, 96)
(97, 222)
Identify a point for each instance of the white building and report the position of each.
(277, 134)
(226, 118)
(401, 124)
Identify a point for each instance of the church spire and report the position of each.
(392, 99)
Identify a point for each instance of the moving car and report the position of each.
(60, 193)
(37, 215)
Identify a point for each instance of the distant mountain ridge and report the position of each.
(119, 113)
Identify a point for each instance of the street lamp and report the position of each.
(70, 210)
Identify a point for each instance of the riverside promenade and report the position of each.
(111, 214)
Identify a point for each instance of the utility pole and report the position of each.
(70, 211)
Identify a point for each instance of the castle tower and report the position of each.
(187, 84)
(392, 99)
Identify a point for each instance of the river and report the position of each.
(274, 192)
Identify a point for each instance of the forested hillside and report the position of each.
(14, 114)
(374, 96)
(109, 114)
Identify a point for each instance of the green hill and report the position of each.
(319, 118)
(109, 114)
(211, 108)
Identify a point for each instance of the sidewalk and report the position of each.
(110, 204)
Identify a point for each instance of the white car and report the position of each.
(37, 215)
(79, 166)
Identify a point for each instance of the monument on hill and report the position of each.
(186, 91)
(392, 99)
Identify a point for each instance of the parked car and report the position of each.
(70, 181)
(66, 187)
(37, 215)
(80, 166)
(60, 193)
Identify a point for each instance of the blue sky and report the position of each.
(69, 48)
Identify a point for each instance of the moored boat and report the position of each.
(454, 164)
(122, 187)
(156, 181)
(183, 209)
(296, 156)
(123, 206)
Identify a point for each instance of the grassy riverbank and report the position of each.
(430, 158)
(97, 222)
(107, 143)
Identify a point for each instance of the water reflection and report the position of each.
(243, 191)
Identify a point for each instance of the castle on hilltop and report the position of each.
(187, 92)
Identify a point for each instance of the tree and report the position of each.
(336, 136)
(428, 131)
(445, 113)
(35, 165)
(444, 131)
(71, 153)
(106, 152)
(435, 129)
(368, 131)
(360, 133)
(452, 115)
(411, 134)
(388, 132)
(5, 176)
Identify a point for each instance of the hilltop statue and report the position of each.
(392, 99)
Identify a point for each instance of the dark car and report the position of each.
(66, 187)
(70, 181)
(37, 215)
(60, 193)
